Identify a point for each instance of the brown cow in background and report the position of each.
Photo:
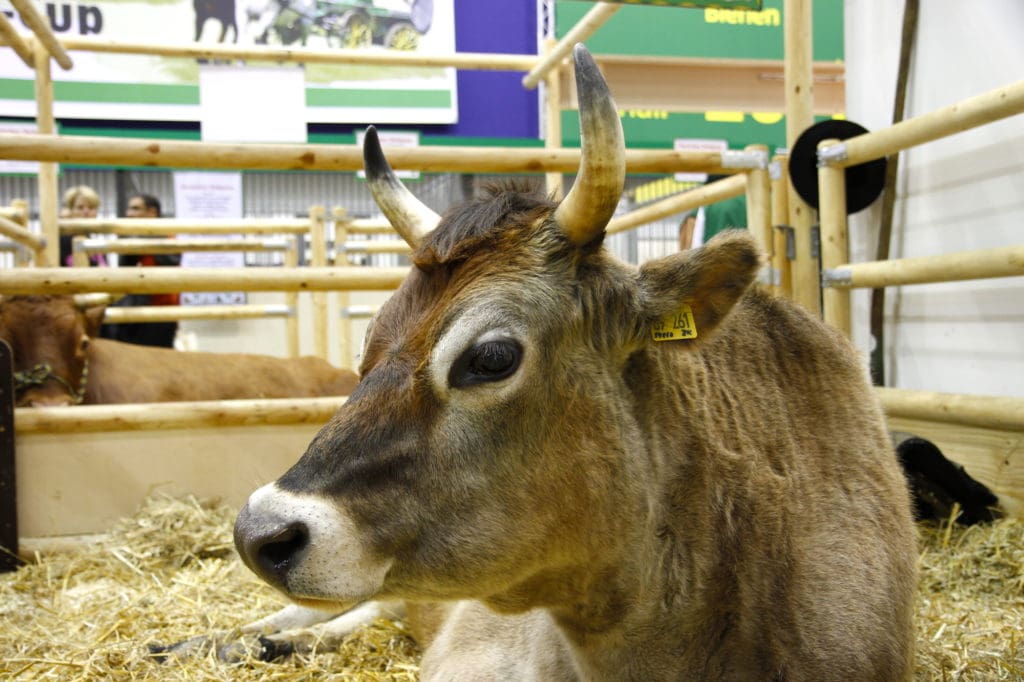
(59, 360)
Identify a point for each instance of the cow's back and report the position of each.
(128, 373)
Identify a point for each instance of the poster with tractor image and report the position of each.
(114, 86)
(394, 24)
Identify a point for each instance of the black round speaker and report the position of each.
(864, 182)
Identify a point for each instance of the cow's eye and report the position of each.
(487, 361)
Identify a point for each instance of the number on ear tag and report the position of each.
(677, 326)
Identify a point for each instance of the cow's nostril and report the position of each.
(277, 551)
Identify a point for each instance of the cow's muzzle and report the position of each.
(308, 547)
(270, 546)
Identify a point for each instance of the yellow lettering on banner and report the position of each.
(644, 114)
(767, 117)
(723, 116)
(767, 17)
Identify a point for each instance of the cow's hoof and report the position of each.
(244, 649)
(158, 652)
(271, 650)
(196, 646)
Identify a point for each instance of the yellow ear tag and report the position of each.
(677, 326)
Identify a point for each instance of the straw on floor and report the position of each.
(170, 573)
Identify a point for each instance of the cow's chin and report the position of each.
(328, 605)
(331, 568)
(338, 593)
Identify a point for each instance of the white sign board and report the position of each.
(18, 167)
(252, 104)
(163, 88)
(393, 138)
(697, 145)
(203, 195)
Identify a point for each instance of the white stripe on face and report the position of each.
(336, 565)
(485, 321)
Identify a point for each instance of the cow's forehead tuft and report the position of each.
(483, 223)
(52, 312)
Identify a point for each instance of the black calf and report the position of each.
(937, 483)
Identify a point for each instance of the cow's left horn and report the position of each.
(410, 217)
(591, 202)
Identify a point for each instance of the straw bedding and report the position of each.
(170, 573)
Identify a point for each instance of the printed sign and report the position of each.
(697, 145)
(202, 195)
(104, 85)
(393, 138)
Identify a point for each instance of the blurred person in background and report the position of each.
(80, 201)
(160, 334)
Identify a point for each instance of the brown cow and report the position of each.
(59, 360)
(589, 502)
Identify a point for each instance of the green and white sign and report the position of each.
(135, 87)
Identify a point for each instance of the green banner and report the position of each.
(701, 33)
(716, 4)
(719, 33)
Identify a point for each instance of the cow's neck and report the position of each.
(653, 588)
(603, 610)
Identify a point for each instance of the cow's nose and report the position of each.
(269, 546)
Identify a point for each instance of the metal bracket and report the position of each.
(278, 310)
(358, 312)
(837, 277)
(830, 156)
(790, 240)
(769, 276)
(744, 158)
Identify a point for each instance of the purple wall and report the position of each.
(494, 103)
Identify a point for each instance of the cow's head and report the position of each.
(49, 336)
(492, 445)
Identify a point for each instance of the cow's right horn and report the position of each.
(410, 217)
(591, 202)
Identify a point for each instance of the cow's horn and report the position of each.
(410, 217)
(591, 202)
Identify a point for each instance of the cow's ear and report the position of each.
(686, 295)
(93, 319)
